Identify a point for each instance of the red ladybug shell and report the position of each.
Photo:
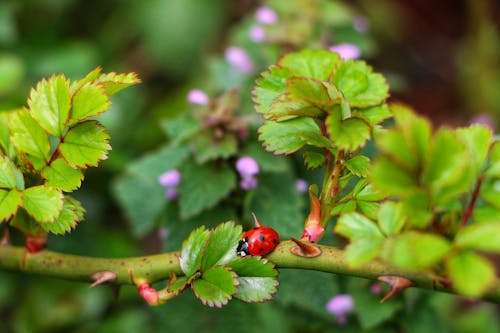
(258, 241)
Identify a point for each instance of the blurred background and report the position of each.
(442, 57)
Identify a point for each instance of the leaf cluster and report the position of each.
(46, 147)
(314, 98)
(433, 181)
(215, 273)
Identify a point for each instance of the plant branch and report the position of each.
(159, 267)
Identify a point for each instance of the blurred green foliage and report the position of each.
(176, 45)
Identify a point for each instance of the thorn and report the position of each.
(5, 238)
(305, 250)
(255, 220)
(397, 283)
(102, 277)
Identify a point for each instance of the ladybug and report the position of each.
(257, 241)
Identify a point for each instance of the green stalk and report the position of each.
(160, 267)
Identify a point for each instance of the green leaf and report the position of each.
(71, 214)
(477, 139)
(23, 222)
(269, 87)
(482, 237)
(10, 175)
(181, 128)
(363, 250)
(348, 134)
(394, 144)
(373, 115)
(208, 148)
(49, 104)
(415, 250)
(203, 186)
(178, 285)
(358, 165)
(287, 107)
(43, 203)
(85, 144)
(485, 214)
(391, 218)
(490, 192)
(221, 246)
(192, 251)
(10, 201)
(367, 192)
(368, 208)
(93, 75)
(289, 136)
(471, 275)
(314, 160)
(216, 286)
(355, 226)
(416, 207)
(446, 160)
(315, 64)
(257, 279)
(5, 141)
(392, 178)
(28, 136)
(360, 86)
(312, 91)
(89, 101)
(60, 175)
(114, 82)
(417, 132)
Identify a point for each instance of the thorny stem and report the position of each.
(159, 267)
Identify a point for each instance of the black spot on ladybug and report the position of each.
(275, 241)
(261, 238)
(261, 249)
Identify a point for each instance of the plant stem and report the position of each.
(472, 202)
(159, 267)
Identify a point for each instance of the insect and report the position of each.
(257, 241)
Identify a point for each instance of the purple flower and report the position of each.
(248, 183)
(346, 51)
(196, 96)
(340, 306)
(301, 186)
(257, 33)
(266, 15)
(361, 24)
(238, 58)
(247, 166)
(170, 180)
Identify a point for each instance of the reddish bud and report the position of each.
(35, 244)
(313, 230)
(148, 293)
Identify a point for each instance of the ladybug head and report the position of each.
(242, 249)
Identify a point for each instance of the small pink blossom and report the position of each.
(257, 33)
(376, 289)
(197, 96)
(340, 306)
(170, 178)
(301, 186)
(483, 119)
(248, 183)
(266, 15)
(346, 51)
(239, 59)
(247, 166)
(171, 193)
